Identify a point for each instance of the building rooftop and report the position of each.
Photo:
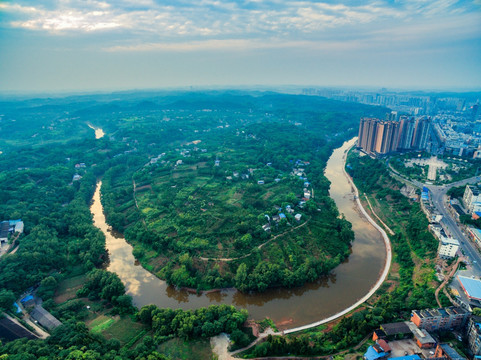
(472, 287)
(448, 250)
(45, 319)
(449, 241)
(4, 229)
(384, 345)
(372, 354)
(476, 232)
(451, 353)
(380, 333)
(423, 337)
(408, 357)
(448, 311)
(474, 190)
(458, 209)
(395, 328)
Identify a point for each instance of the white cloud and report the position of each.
(211, 22)
(235, 45)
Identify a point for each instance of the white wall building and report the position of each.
(472, 199)
(448, 248)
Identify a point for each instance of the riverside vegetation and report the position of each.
(411, 282)
(211, 206)
(46, 142)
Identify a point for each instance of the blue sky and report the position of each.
(111, 45)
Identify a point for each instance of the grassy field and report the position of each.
(187, 350)
(67, 289)
(123, 329)
(101, 323)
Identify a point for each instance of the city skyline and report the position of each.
(381, 137)
(71, 45)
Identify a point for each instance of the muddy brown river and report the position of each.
(289, 308)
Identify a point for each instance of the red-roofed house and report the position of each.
(384, 345)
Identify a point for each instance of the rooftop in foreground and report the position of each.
(472, 287)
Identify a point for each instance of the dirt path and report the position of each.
(377, 217)
(220, 346)
(446, 280)
(258, 247)
(42, 333)
(136, 204)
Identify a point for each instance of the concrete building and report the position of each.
(447, 352)
(440, 319)
(386, 137)
(421, 133)
(448, 248)
(472, 198)
(423, 339)
(472, 288)
(382, 137)
(378, 136)
(367, 134)
(406, 133)
(475, 235)
(10, 227)
(473, 335)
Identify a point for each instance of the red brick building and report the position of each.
(440, 319)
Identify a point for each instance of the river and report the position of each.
(289, 308)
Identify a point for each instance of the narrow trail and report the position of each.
(377, 217)
(445, 282)
(136, 204)
(258, 247)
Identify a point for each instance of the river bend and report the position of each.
(289, 308)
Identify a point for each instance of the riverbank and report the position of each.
(387, 264)
(289, 308)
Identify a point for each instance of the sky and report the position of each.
(104, 45)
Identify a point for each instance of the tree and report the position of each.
(7, 298)
(241, 277)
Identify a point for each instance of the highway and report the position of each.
(438, 196)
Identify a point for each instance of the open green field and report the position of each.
(187, 350)
(67, 289)
(101, 323)
(124, 329)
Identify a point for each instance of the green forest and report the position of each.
(223, 197)
(50, 163)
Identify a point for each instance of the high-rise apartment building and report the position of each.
(380, 137)
(386, 137)
(421, 133)
(406, 132)
(367, 134)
